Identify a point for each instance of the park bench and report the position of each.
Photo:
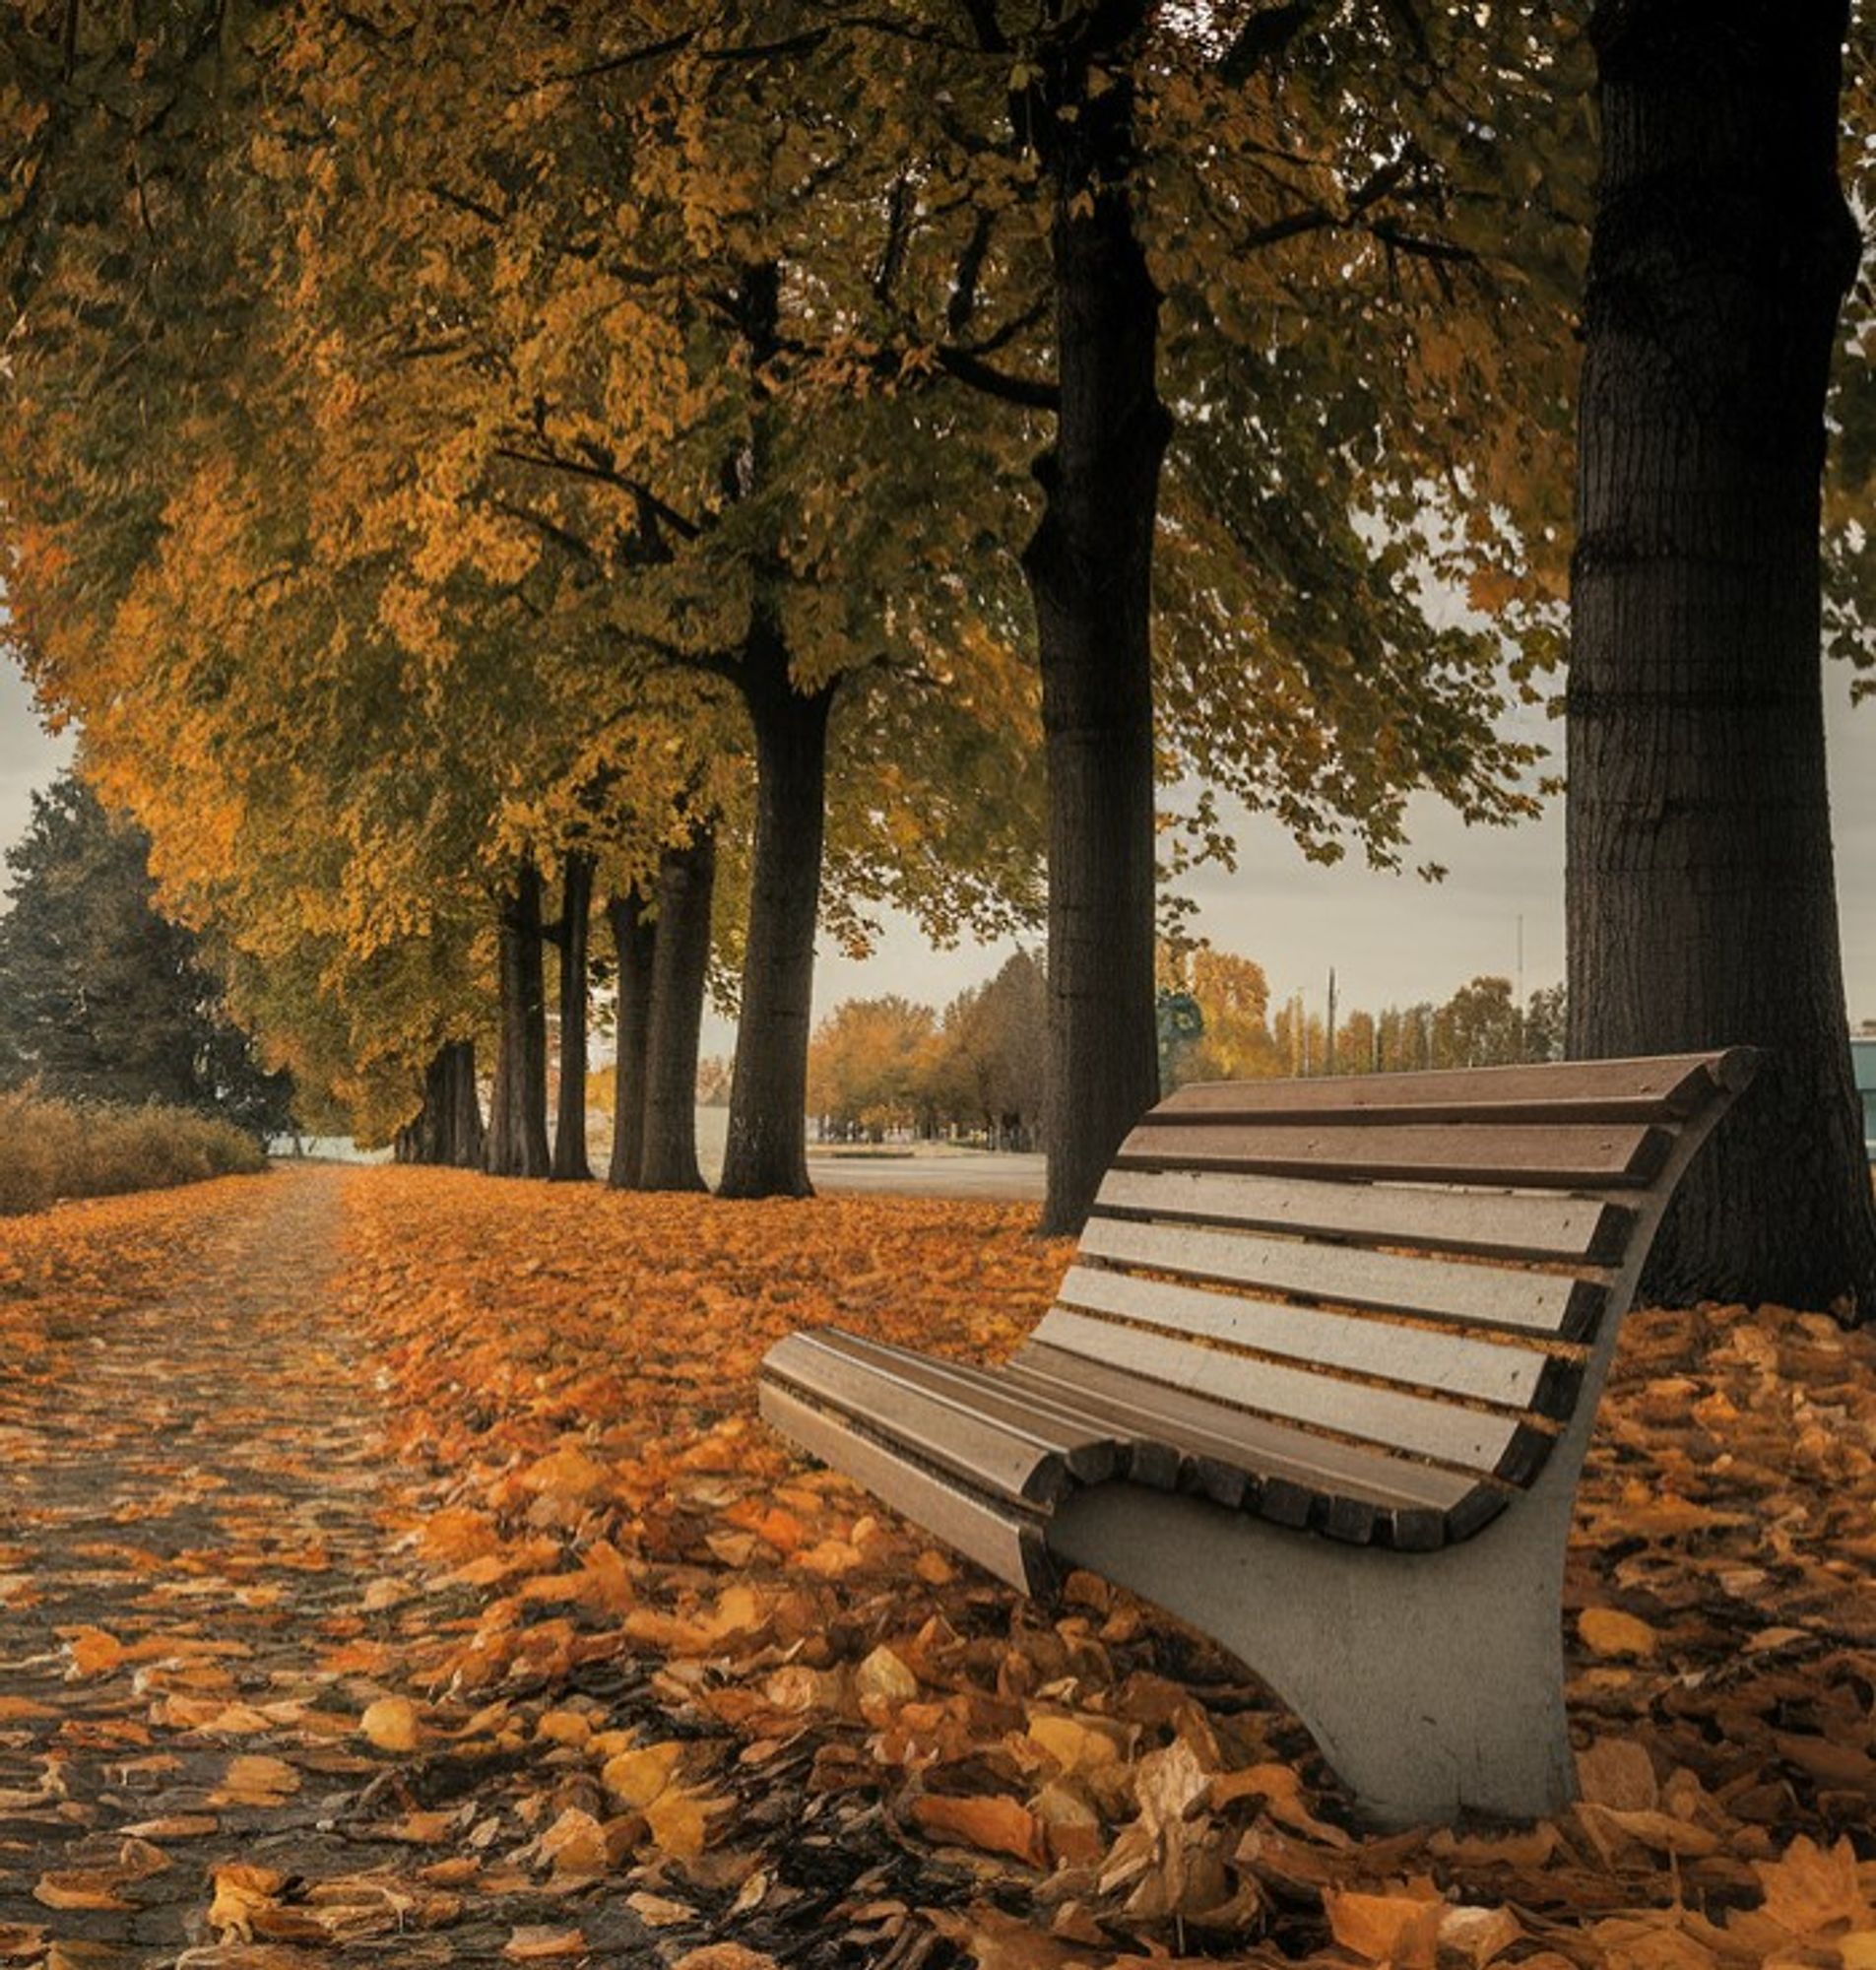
(1319, 1381)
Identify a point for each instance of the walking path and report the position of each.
(190, 1531)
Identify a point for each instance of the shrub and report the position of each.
(49, 1149)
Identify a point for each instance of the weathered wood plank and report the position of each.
(1665, 1088)
(998, 1537)
(1256, 1444)
(1450, 1363)
(1088, 1452)
(1471, 1296)
(1515, 1224)
(1471, 1439)
(1544, 1156)
(988, 1454)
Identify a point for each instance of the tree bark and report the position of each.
(635, 939)
(1701, 903)
(570, 1163)
(680, 967)
(1089, 568)
(767, 1151)
(517, 1143)
(446, 1131)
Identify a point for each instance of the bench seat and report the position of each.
(1369, 1315)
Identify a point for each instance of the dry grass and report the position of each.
(50, 1150)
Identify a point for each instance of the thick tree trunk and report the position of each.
(450, 1096)
(767, 1153)
(517, 1144)
(635, 939)
(680, 967)
(1091, 567)
(569, 1125)
(448, 1129)
(1702, 910)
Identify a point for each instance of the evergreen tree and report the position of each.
(101, 998)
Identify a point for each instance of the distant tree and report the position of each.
(1478, 1026)
(101, 998)
(988, 1065)
(864, 1064)
(1234, 1000)
(1358, 1044)
(1546, 1022)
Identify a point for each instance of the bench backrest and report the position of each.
(1427, 1264)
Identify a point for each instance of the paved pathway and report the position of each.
(188, 1528)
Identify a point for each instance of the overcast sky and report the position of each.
(1392, 939)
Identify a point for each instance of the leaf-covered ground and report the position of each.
(392, 1568)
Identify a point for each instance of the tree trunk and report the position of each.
(517, 1144)
(1702, 910)
(635, 939)
(767, 1153)
(450, 1096)
(570, 1127)
(446, 1132)
(1089, 568)
(680, 967)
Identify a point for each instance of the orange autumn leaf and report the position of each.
(1400, 1927)
(997, 1824)
(1610, 1632)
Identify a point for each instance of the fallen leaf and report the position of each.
(392, 1724)
(997, 1824)
(1607, 1631)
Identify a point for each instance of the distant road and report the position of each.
(933, 1174)
(892, 1171)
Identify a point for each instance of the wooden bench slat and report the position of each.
(1667, 1089)
(1616, 1154)
(1451, 1364)
(997, 1535)
(1468, 1438)
(1089, 1454)
(1513, 1223)
(990, 1456)
(1472, 1295)
(1259, 1446)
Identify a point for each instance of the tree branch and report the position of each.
(1032, 392)
(598, 467)
(1264, 36)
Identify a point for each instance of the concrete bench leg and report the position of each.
(1433, 1682)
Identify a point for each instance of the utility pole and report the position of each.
(1328, 1064)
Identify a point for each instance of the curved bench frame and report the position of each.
(1432, 1680)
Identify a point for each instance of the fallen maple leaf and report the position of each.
(1812, 1889)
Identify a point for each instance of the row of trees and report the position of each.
(460, 467)
(1236, 1034)
(482, 466)
(885, 1066)
(878, 1066)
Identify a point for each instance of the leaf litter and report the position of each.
(394, 1562)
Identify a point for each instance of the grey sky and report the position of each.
(29, 758)
(1391, 937)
